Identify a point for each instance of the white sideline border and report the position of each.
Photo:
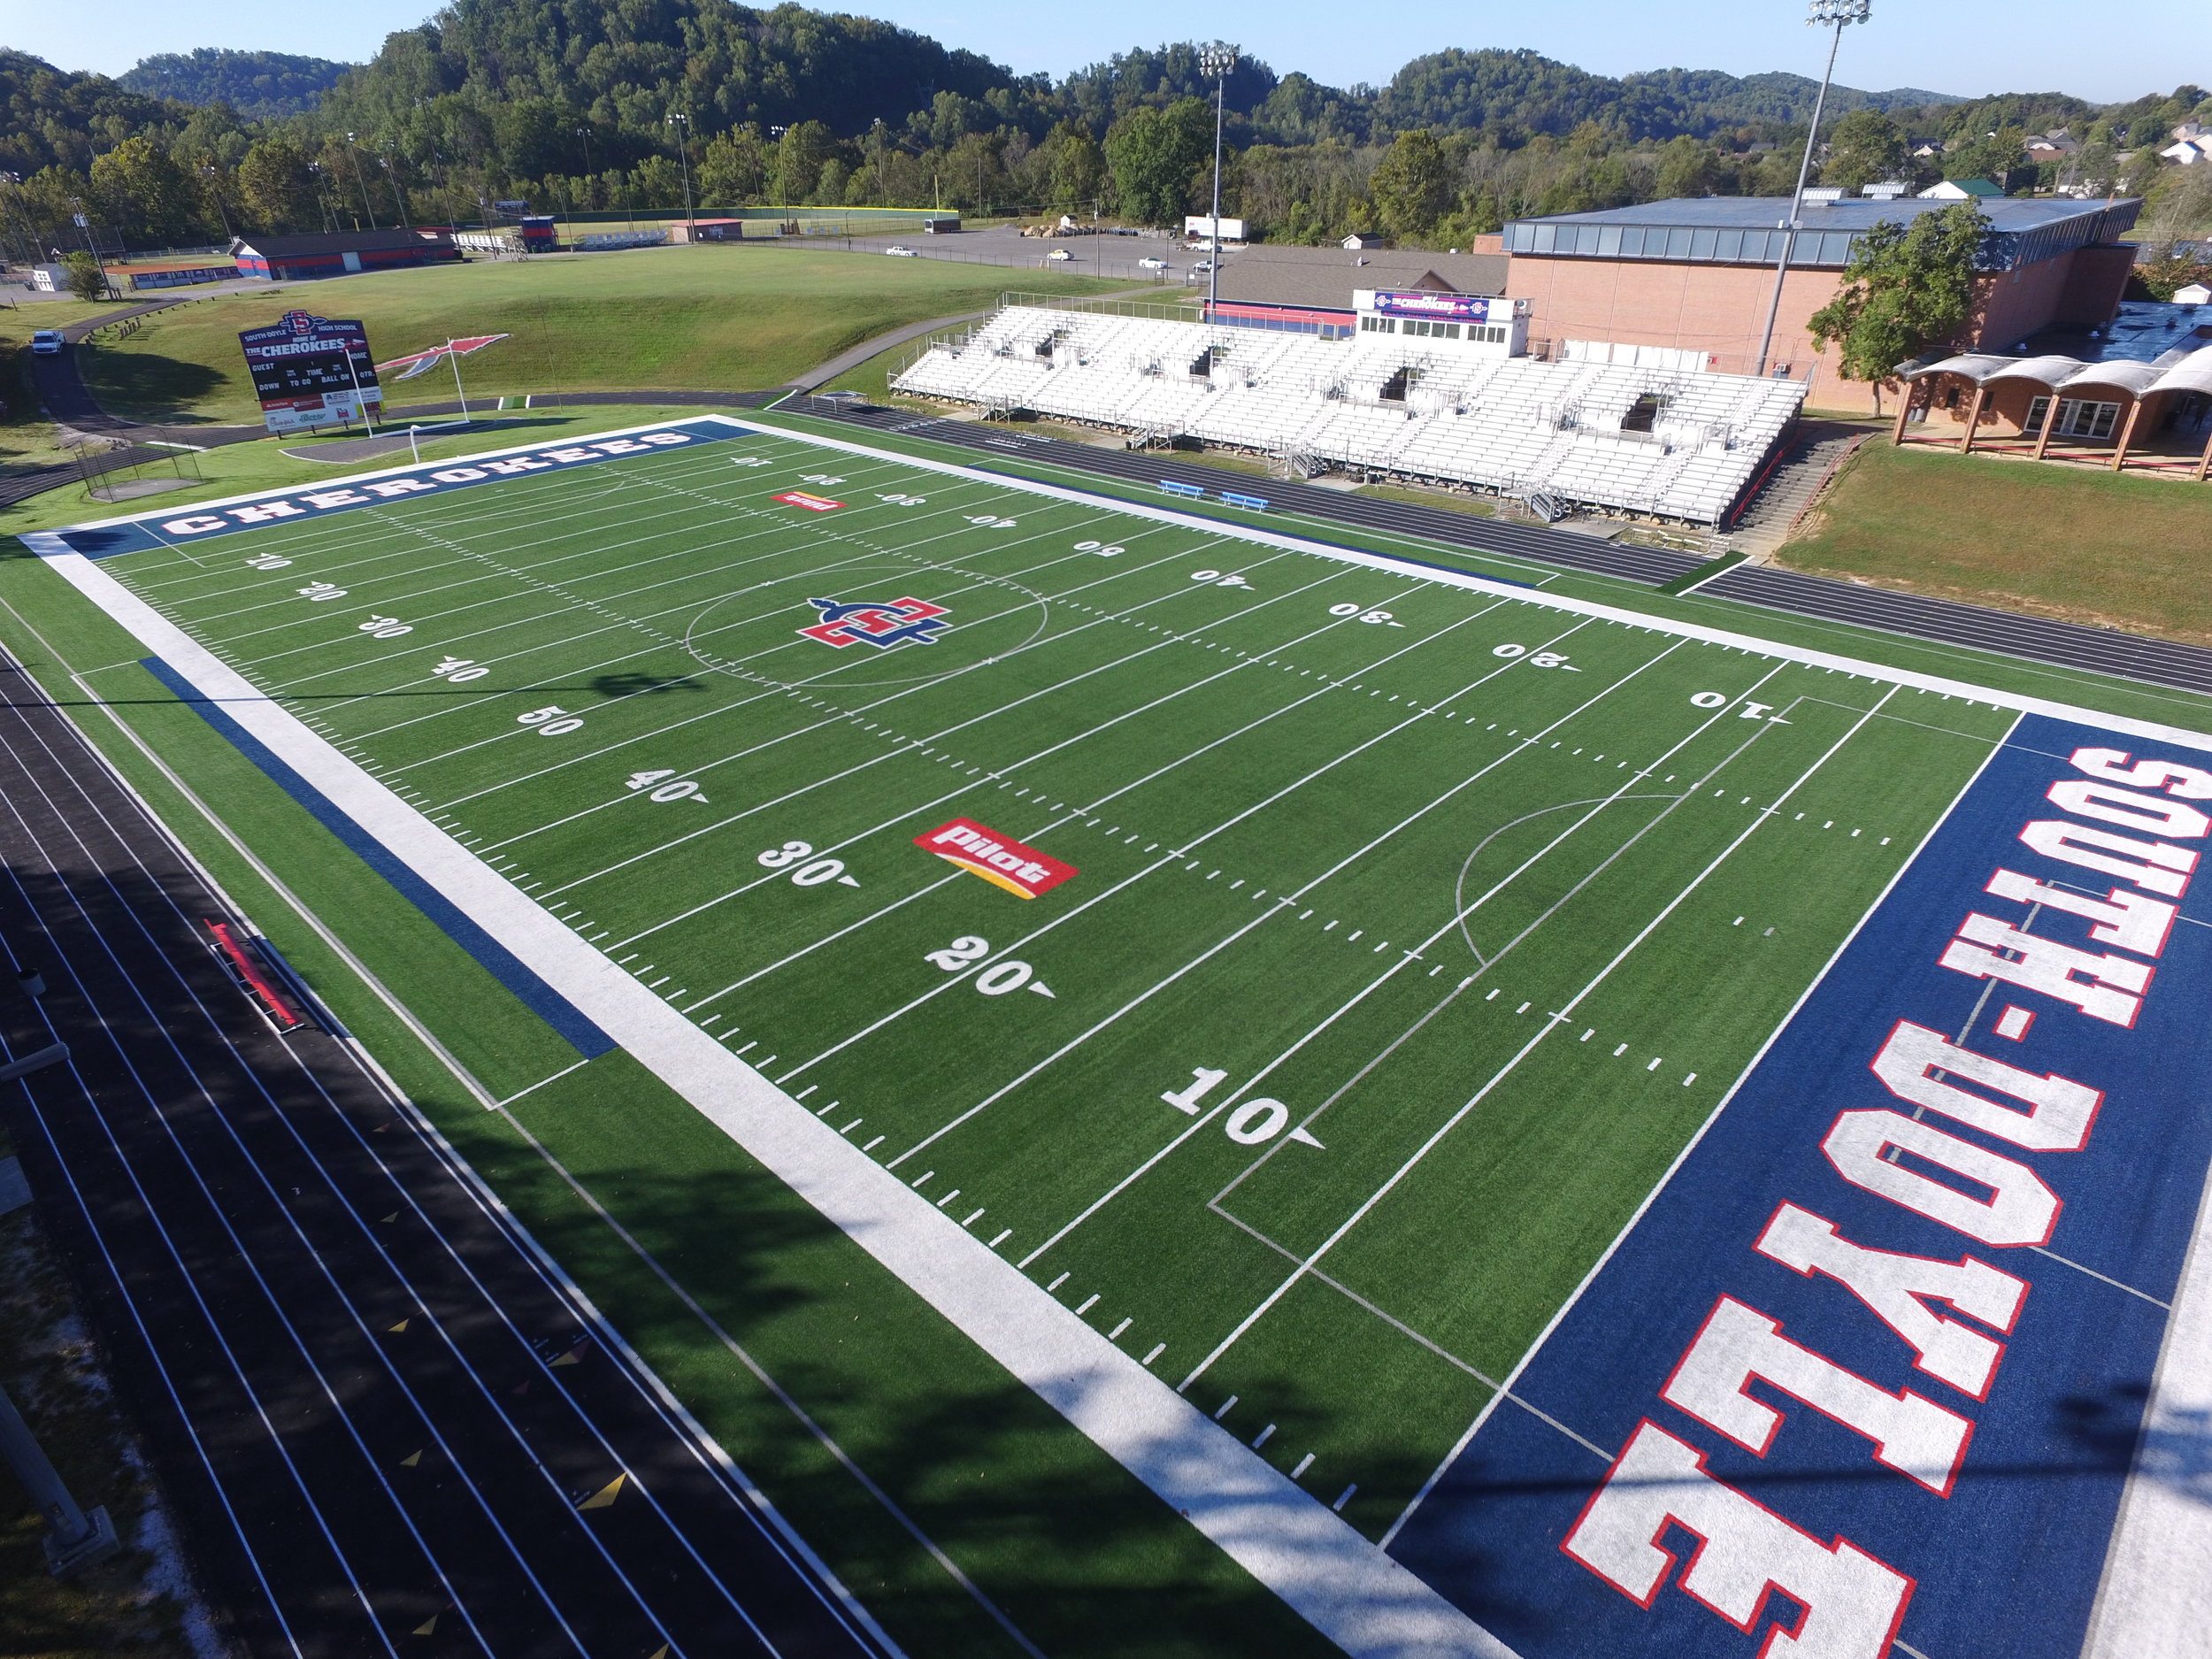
(1345, 1587)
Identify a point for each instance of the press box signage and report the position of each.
(311, 371)
(1449, 307)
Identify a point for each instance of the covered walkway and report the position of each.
(2155, 417)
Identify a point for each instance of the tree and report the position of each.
(800, 154)
(1155, 156)
(734, 169)
(1078, 174)
(86, 278)
(146, 194)
(1866, 148)
(275, 188)
(1412, 184)
(1996, 156)
(1685, 168)
(1904, 291)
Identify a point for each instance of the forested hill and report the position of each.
(258, 85)
(629, 106)
(626, 66)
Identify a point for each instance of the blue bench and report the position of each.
(1194, 491)
(1257, 504)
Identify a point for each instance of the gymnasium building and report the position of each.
(1697, 276)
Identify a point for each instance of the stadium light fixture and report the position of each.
(682, 124)
(1819, 14)
(1216, 60)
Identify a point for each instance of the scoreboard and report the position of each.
(311, 371)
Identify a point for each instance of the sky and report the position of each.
(1939, 45)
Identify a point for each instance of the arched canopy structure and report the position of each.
(2049, 397)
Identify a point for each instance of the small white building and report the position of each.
(2195, 293)
(1961, 190)
(1482, 324)
(2188, 151)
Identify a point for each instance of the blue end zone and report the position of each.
(182, 526)
(504, 965)
(2009, 1561)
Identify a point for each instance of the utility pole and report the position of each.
(1821, 14)
(1216, 60)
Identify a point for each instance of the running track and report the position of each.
(2007, 634)
(300, 1290)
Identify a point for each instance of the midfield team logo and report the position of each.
(879, 623)
(999, 859)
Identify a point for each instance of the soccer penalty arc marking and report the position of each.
(1880, 1523)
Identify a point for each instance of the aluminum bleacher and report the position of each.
(1660, 442)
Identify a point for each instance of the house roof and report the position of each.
(1324, 278)
(343, 242)
(1956, 189)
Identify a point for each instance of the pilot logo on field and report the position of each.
(882, 623)
(999, 859)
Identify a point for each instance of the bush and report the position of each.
(2160, 278)
(88, 278)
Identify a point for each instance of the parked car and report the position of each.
(47, 342)
(1150, 264)
(897, 252)
(1061, 253)
(1203, 266)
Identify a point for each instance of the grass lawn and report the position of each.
(705, 318)
(27, 437)
(2062, 542)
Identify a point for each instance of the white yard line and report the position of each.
(1551, 1023)
(1244, 1089)
(1346, 1588)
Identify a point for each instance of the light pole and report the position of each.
(682, 124)
(399, 190)
(1819, 13)
(213, 175)
(1216, 60)
(361, 179)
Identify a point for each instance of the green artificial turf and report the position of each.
(1480, 893)
(1280, 781)
(706, 319)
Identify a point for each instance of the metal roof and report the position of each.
(2189, 374)
(1749, 230)
(344, 241)
(1269, 273)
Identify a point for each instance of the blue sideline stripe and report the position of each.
(502, 963)
(182, 526)
(2053, 1439)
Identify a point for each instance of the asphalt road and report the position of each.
(378, 1409)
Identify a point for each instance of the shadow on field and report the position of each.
(1065, 1545)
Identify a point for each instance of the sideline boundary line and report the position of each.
(1285, 1537)
(1346, 1587)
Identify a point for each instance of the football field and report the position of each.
(1301, 969)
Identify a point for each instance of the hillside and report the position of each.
(258, 84)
